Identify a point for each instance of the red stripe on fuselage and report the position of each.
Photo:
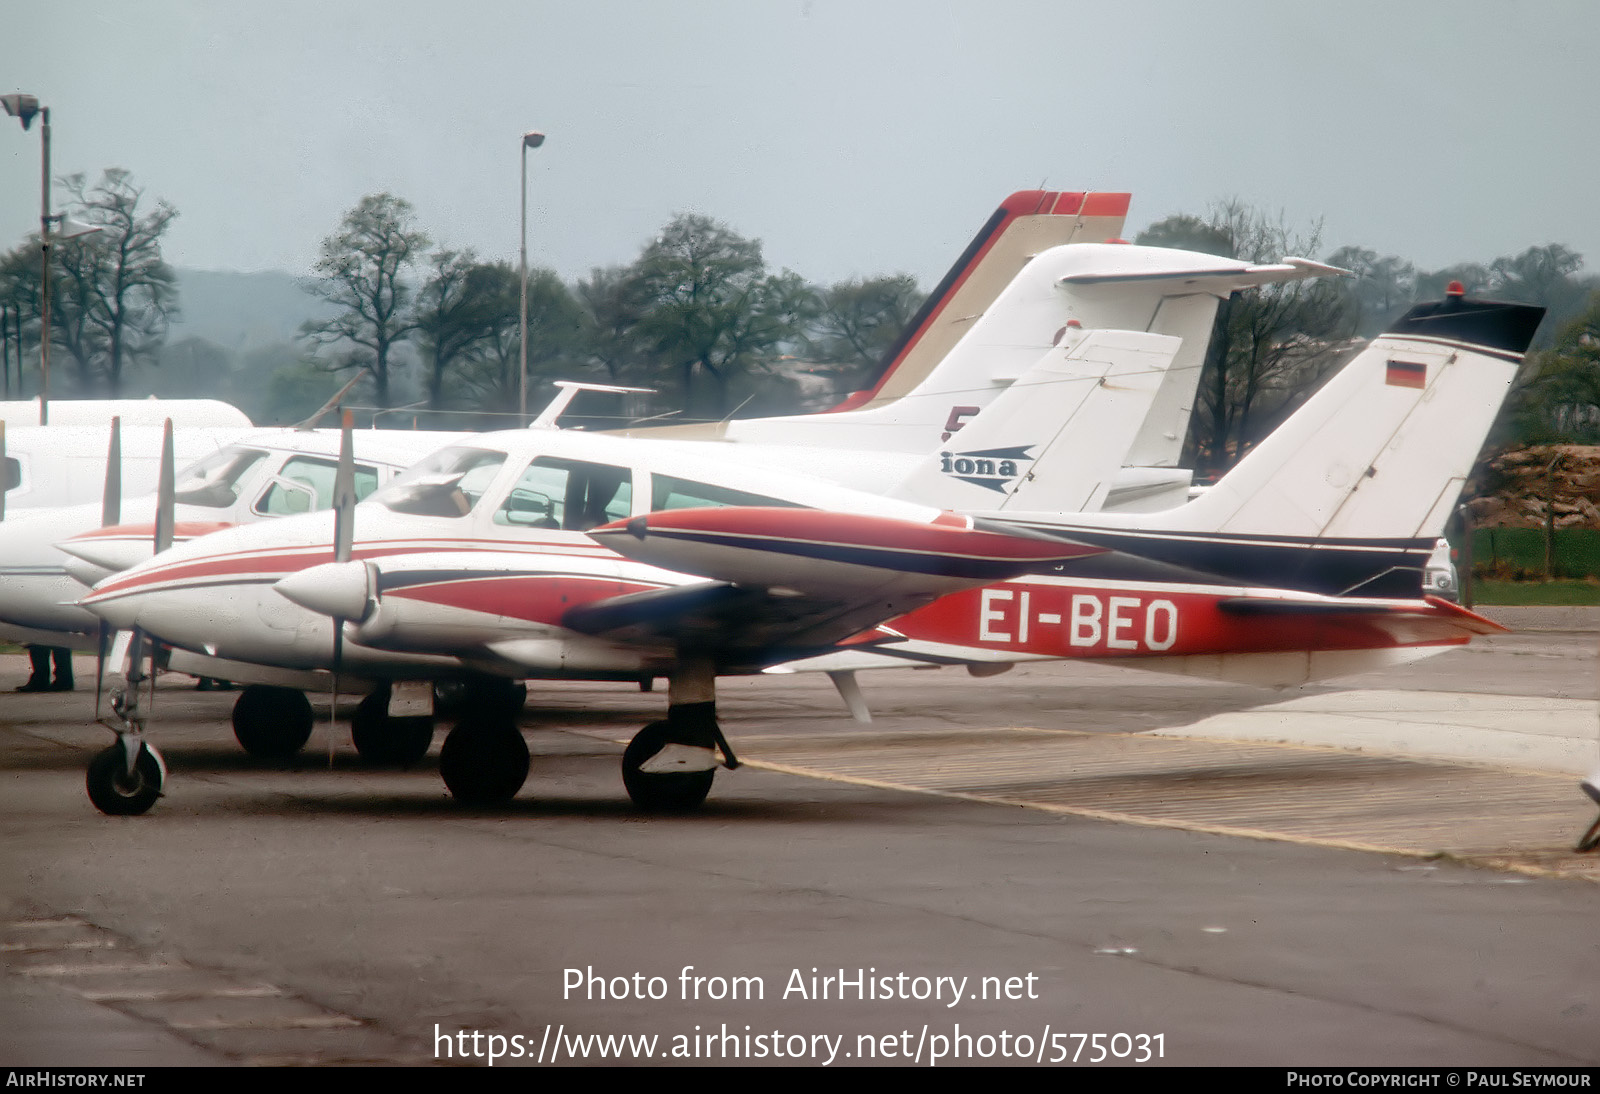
(266, 564)
(187, 529)
(537, 598)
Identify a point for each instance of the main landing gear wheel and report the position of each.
(484, 761)
(385, 741)
(119, 793)
(661, 793)
(272, 723)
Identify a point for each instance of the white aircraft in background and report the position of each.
(184, 413)
(259, 474)
(556, 555)
(56, 464)
(49, 466)
(1058, 295)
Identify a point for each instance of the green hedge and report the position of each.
(1517, 554)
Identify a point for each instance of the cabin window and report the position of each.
(568, 494)
(667, 492)
(305, 484)
(213, 483)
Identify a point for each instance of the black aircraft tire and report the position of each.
(484, 762)
(385, 741)
(272, 723)
(682, 793)
(114, 792)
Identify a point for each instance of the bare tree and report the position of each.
(1383, 287)
(117, 295)
(362, 272)
(1269, 345)
(19, 312)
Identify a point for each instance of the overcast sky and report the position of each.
(850, 136)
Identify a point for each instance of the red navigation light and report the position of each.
(1455, 288)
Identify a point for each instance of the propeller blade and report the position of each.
(344, 534)
(99, 661)
(5, 473)
(311, 422)
(111, 502)
(166, 494)
(344, 492)
(333, 703)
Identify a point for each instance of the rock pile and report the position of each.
(1518, 487)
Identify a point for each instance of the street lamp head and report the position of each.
(532, 139)
(21, 106)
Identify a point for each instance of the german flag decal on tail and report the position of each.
(1407, 374)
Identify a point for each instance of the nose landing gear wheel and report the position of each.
(117, 792)
(484, 761)
(661, 793)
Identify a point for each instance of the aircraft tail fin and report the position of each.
(1350, 495)
(1383, 449)
(1055, 439)
(1026, 223)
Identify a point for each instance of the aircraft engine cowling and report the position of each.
(343, 590)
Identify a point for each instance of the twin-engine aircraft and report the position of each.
(562, 555)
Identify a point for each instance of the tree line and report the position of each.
(700, 316)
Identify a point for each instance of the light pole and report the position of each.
(24, 107)
(531, 139)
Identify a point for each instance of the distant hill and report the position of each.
(242, 311)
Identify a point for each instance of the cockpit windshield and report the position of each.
(446, 484)
(214, 481)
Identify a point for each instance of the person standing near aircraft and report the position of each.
(39, 679)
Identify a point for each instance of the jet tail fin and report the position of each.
(1026, 223)
(1055, 439)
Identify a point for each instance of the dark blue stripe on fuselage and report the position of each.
(1331, 567)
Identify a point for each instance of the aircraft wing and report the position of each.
(743, 627)
(788, 582)
(1225, 279)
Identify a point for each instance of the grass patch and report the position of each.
(1518, 553)
(1487, 591)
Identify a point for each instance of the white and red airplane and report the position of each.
(547, 555)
